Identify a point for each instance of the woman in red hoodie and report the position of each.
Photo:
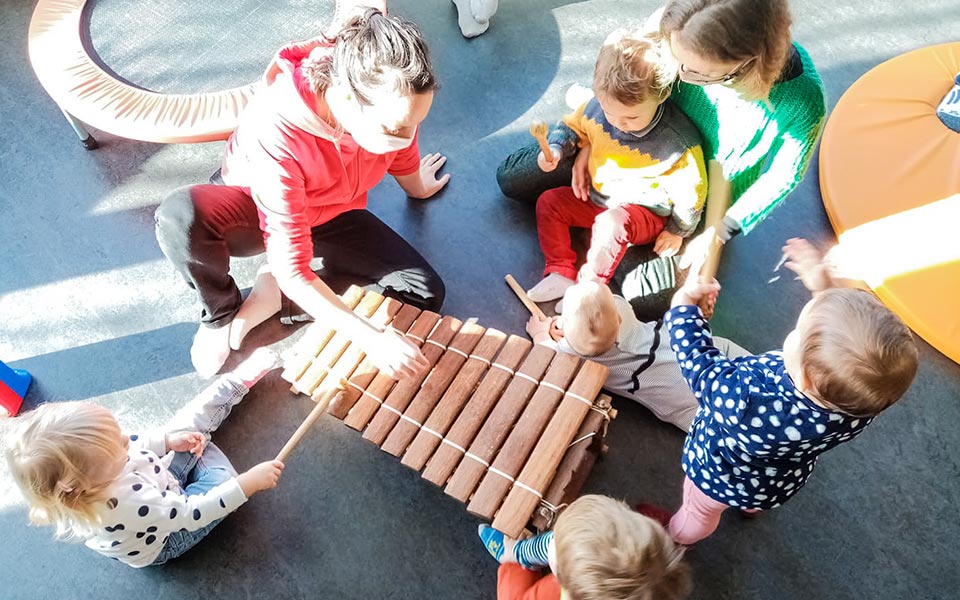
(332, 118)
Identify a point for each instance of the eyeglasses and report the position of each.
(696, 78)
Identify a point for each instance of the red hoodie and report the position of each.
(300, 171)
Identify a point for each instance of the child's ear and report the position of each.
(559, 322)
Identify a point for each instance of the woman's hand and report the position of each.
(396, 356)
(698, 248)
(580, 180)
(424, 183)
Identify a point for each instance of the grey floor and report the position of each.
(92, 309)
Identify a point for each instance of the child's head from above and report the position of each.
(64, 456)
(632, 78)
(740, 43)
(607, 551)
(851, 353)
(590, 320)
(379, 83)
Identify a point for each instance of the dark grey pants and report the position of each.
(200, 227)
(643, 278)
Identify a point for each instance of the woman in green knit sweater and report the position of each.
(758, 101)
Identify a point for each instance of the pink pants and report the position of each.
(697, 518)
(612, 230)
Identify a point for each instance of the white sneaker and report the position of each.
(577, 95)
(550, 287)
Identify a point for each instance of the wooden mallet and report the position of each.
(555, 333)
(719, 195)
(539, 130)
(321, 407)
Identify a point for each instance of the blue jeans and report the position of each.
(646, 280)
(200, 474)
(197, 475)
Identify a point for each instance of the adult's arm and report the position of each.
(791, 157)
(280, 195)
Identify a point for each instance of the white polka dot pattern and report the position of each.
(756, 438)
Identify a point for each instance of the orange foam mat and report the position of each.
(890, 181)
(80, 87)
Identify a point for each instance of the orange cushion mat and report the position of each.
(86, 91)
(890, 180)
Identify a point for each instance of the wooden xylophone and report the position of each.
(509, 428)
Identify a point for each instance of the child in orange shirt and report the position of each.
(599, 550)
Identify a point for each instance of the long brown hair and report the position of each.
(371, 51)
(735, 31)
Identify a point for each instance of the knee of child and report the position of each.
(176, 212)
(611, 223)
(548, 202)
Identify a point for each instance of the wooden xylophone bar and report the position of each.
(492, 420)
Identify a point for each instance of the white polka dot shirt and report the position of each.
(755, 438)
(146, 504)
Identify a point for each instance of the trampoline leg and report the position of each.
(86, 139)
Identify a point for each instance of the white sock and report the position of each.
(254, 367)
(469, 26)
(483, 10)
(550, 287)
(262, 303)
(210, 349)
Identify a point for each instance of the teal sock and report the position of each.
(949, 109)
(492, 540)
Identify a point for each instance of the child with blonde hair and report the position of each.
(600, 326)
(647, 180)
(764, 420)
(142, 500)
(599, 550)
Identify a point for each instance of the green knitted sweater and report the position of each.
(764, 148)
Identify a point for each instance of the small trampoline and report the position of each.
(156, 71)
(890, 180)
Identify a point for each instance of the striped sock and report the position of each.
(949, 109)
(533, 552)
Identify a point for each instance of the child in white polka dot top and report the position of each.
(763, 420)
(142, 500)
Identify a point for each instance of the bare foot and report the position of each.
(262, 303)
(210, 349)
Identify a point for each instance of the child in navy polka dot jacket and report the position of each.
(763, 420)
(142, 500)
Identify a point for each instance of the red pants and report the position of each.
(612, 230)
